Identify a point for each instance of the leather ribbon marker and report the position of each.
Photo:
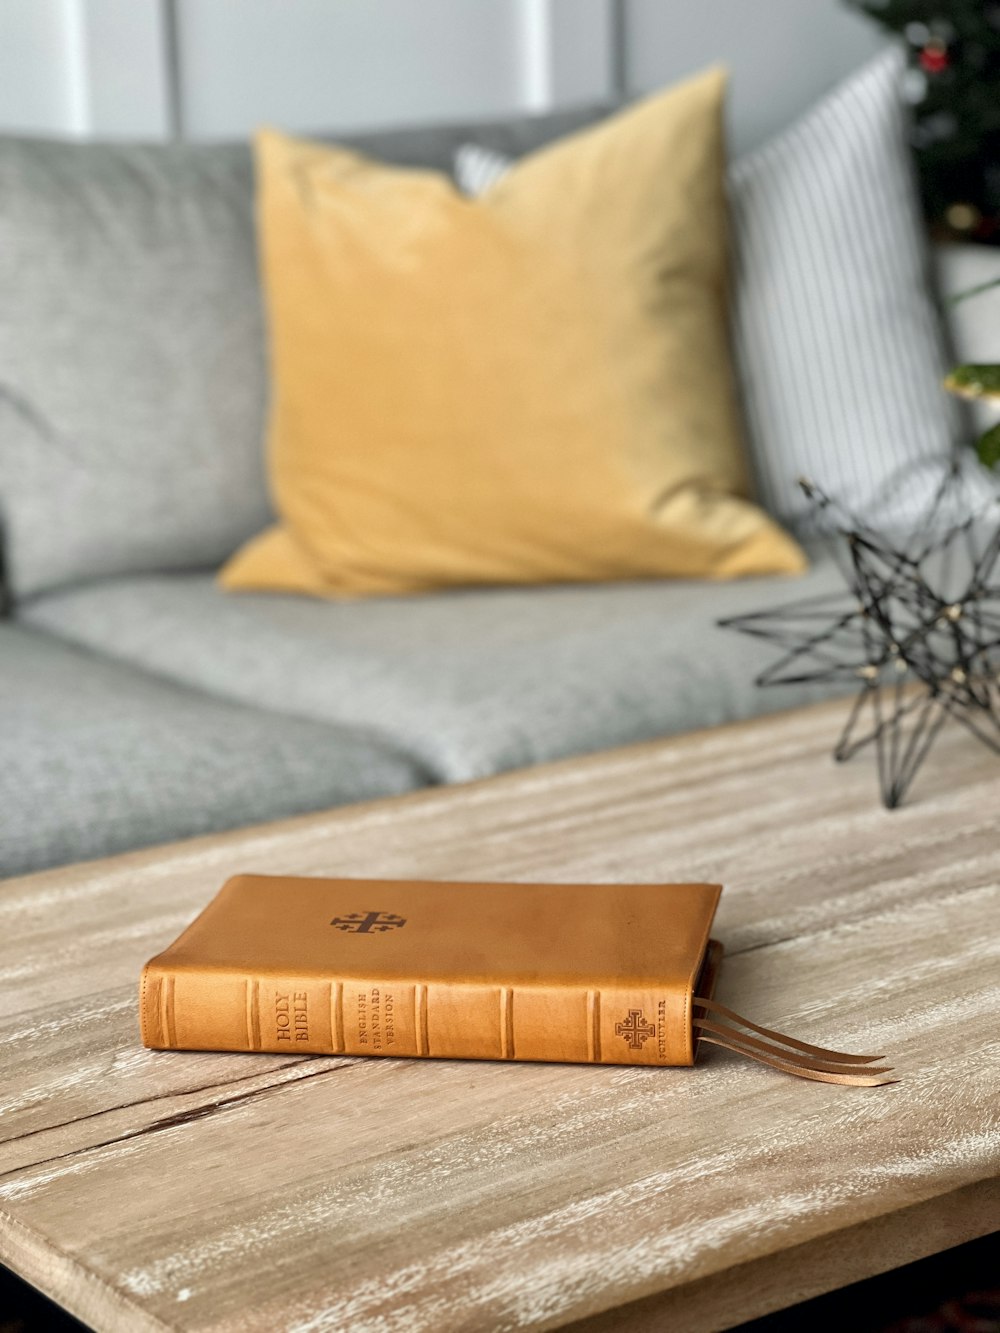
(788, 1054)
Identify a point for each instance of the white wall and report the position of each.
(209, 68)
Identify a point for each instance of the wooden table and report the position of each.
(160, 1191)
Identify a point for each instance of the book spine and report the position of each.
(219, 1011)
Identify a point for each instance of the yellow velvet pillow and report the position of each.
(533, 386)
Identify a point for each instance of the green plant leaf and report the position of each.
(975, 291)
(988, 448)
(974, 381)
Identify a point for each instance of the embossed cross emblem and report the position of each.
(635, 1029)
(367, 923)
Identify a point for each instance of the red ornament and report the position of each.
(934, 57)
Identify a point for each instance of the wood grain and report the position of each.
(212, 1192)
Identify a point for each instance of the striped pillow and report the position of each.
(837, 339)
(477, 168)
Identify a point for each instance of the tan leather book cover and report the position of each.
(605, 973)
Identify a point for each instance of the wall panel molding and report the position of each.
(536, 54)
(120, 58)
(572, 51)
(160, 69)
(216, 68)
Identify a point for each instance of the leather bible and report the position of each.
(600, 973)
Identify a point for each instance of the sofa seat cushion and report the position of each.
(467, 682)
(99, 757)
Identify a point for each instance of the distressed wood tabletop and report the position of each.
(158, 1190)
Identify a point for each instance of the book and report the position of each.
(599, 973)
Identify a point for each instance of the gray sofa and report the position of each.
(140, 709)
(139, 703)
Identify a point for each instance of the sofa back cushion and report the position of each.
(132, 373)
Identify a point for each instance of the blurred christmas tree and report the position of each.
(953, 83)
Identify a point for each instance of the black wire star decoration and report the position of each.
(917, 629)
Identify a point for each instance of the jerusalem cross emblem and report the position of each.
(367, 923)
(635, 1029)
